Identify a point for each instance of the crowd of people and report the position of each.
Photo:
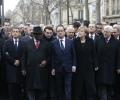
(76, 62)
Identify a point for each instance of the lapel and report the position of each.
(33, 44)
(12, 45)
(66, 44)
(58, 46)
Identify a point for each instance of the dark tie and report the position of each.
(92, 37)
(61, 45)
(16, 46)
(37, 44)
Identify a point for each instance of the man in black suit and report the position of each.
(63, 64)
(108, 63)
(49, 37)
(116, 35)
(13, 52)
(35, 58)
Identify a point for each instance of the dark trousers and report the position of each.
(63, 85)
(105, 92)
(117, 88)
(37, 94)
(83, 88)
(51, 92)
(14, 91)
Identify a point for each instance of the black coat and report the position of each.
(36, 77)
(84, 79)
(85, 57)
(107, 56)
(13, 73)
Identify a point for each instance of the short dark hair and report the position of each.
(49, 28)
(86, 23)
(76, 24)
(98, 23)
(60, 26)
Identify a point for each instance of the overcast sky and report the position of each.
(10, 4)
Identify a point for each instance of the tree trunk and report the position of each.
(98, 14)
(71, 13)
(86, 10)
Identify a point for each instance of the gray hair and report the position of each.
(108, 28)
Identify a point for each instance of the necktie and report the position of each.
(61, 45)
(16, 46)
(37, 44)
(92, 37)
(106, 40)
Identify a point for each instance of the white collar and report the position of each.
(62, 39)
(91, 34)
(15, 39)
(109, 38)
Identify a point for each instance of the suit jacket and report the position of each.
(11, 54)
(108, 60)
(36, 77)
(63, 59)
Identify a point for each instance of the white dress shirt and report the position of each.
(63, 41)
(14, 40)
(92, 36)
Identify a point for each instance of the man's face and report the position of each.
(29, 30)
(99, 28)
(48, 33)
(26, 29)
(115, 32)
(106, 33)
(60, 32)
(70, 33)
(92, 28)
(6, 25)
(15, 33)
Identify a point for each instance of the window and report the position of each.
(118, 6)
(113, 7)
(107, 7)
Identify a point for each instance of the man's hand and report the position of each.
(73, 69)
(53, 72)
(43, 63)
(17, 63)
(23, 72)
(118, 71)
(96, 68)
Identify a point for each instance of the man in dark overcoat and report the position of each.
(12, 51)
(107, 56)
(35, 58)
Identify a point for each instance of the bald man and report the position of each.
(70, 32)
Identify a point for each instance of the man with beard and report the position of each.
(48, 36)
